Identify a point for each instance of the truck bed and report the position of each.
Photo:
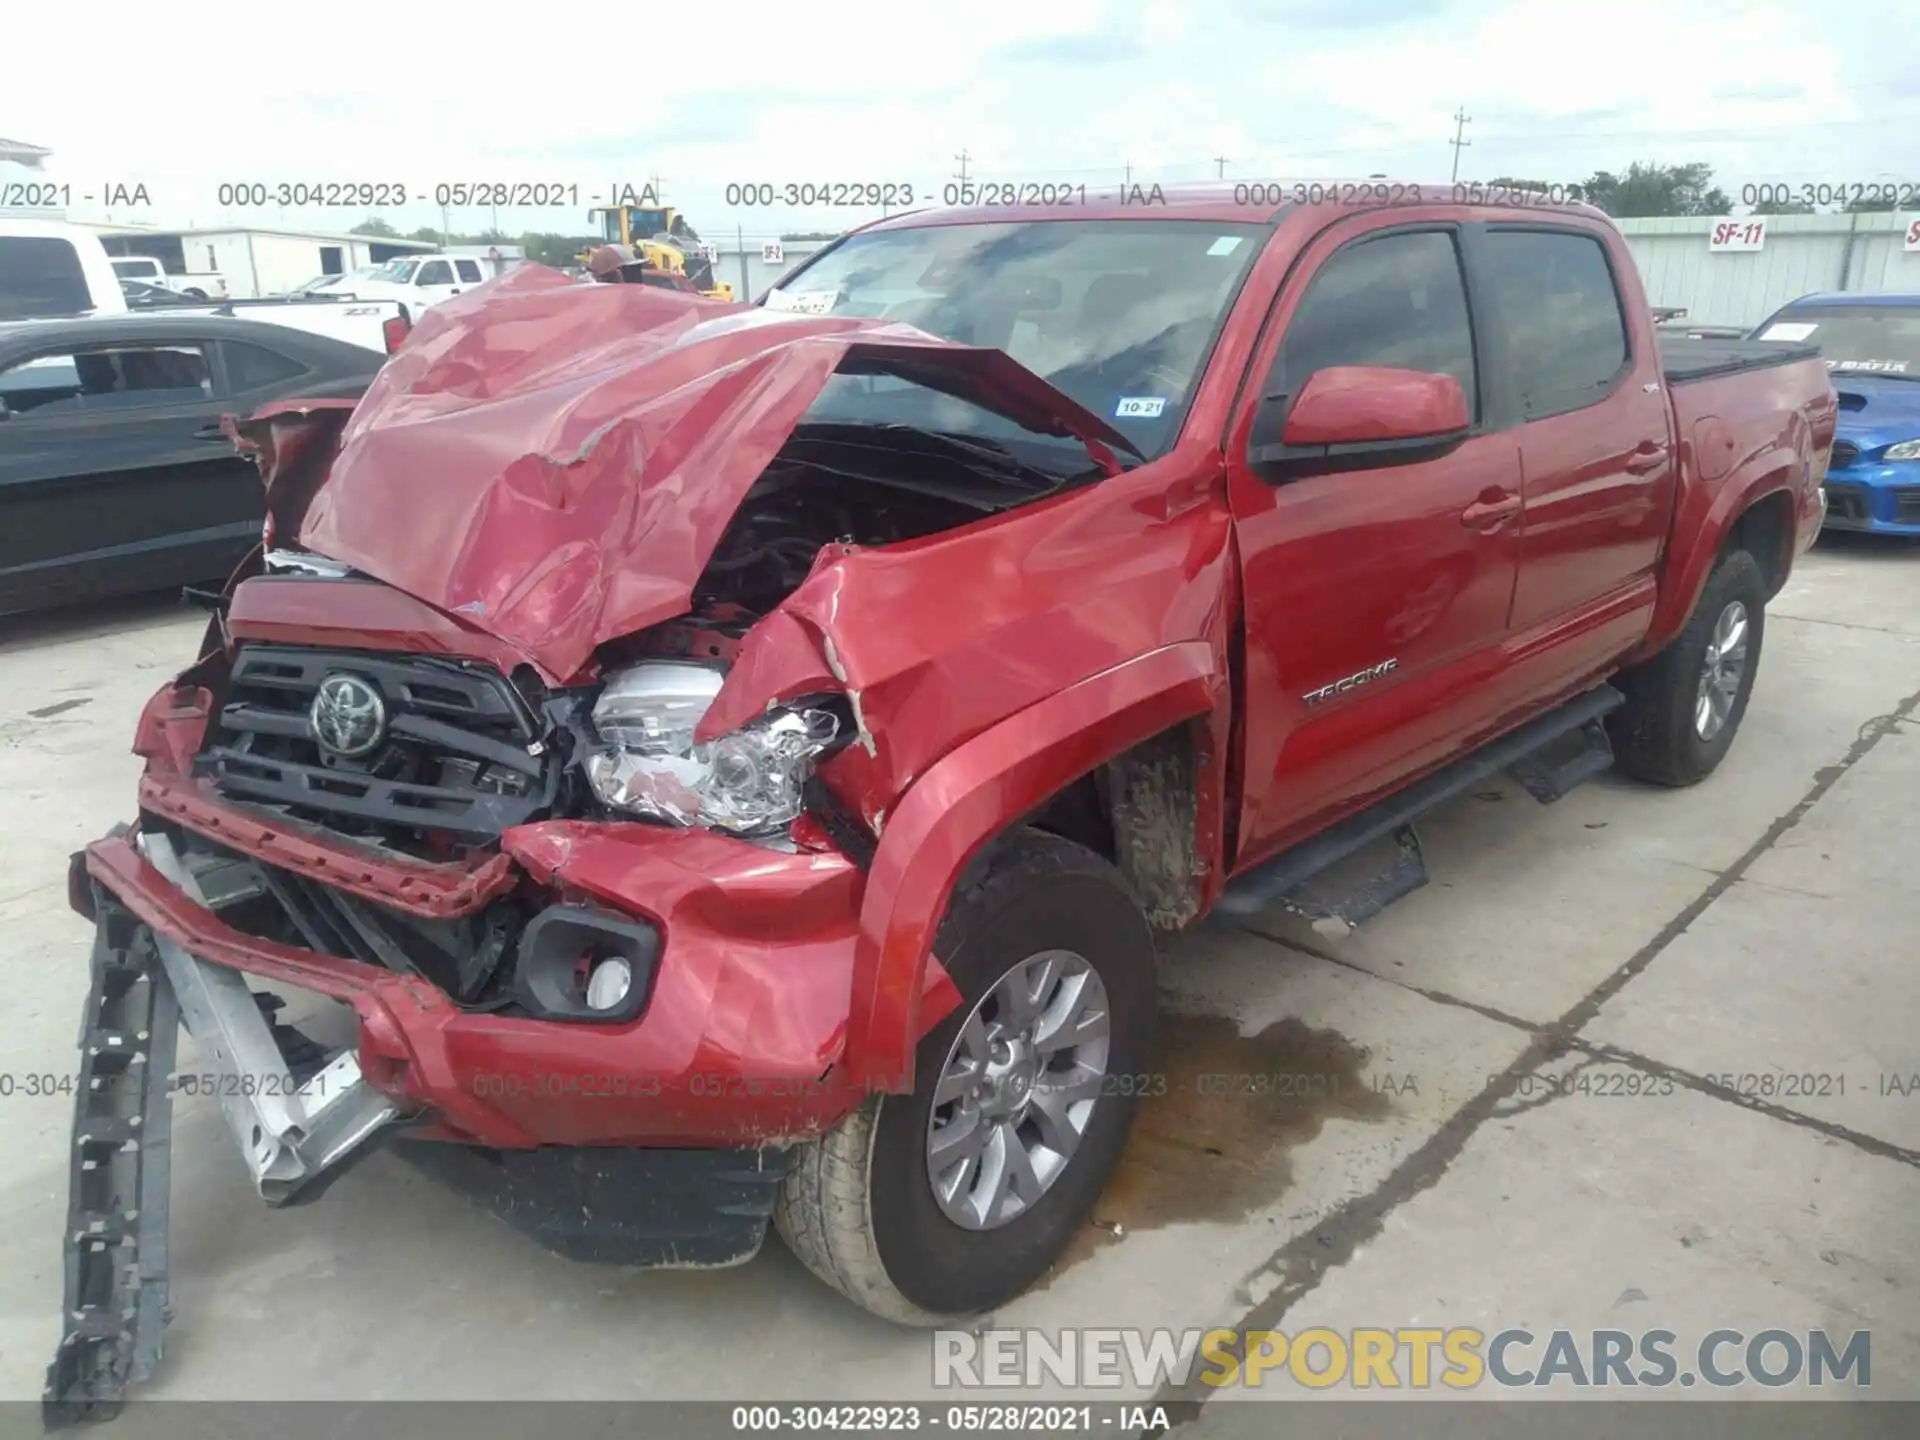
(1684, 358)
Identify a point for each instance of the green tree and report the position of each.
(374, 225)
(1510, 182)
(1654, 189)
(426, 233)
(813, 235)
(1864, 206)
(1783, 207)
(547, 248)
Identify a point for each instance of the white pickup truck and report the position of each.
(416, 281)
(50, 269)
(199, 284)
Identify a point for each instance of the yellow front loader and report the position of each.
(660, 237)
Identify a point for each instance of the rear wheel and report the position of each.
(955, 1197)
(1686, 703)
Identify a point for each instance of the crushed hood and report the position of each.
(555, 462)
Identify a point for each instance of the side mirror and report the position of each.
(1350, 417)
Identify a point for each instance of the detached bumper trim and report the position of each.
(288, 1136)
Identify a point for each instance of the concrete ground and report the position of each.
(1727, 971)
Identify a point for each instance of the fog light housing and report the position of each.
(579, 964)
(609, 983)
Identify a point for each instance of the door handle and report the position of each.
(1492, 510)
(1647, 459)
(210, 432)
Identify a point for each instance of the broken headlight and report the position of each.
(645, 761)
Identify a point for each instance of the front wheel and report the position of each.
(954, 1197)
(1685, 704)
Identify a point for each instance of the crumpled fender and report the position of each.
(973, 794)
(989, 668)
(293, 444)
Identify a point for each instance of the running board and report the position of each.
(1547, 756)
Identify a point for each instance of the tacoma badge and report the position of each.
(1340, 687)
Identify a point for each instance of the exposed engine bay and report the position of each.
(860, 486)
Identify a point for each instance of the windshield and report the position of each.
(397, 272)
(1854, 339)
(1119, 315)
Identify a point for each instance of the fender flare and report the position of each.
(1709, 523)
(973, 794)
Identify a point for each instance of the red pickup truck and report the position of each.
(734, 760)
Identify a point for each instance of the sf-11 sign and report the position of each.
(1737, 235)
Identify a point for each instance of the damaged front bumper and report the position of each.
(669, 1133)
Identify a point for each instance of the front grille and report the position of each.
(459, 761)
(1845, 452)
(1846, 502)
(1906, 504)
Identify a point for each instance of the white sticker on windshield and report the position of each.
(802, 302)
(1877, 367)
(1139, 407)
(1786, 330)
(1225, 245)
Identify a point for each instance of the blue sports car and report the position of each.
(1871, 344)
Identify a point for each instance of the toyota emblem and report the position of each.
(348, 718)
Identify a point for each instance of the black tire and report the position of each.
(858, 1208)
(1654, 736)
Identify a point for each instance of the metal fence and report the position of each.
(1797, 255)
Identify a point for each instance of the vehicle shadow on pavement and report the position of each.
(91, 620)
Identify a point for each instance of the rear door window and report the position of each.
(1552, 294)
(435, 272)
(102, 380)
(254, 367)
(469, 271)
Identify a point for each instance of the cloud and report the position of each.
(1076, 90)
(1098, 49)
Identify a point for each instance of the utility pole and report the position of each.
(1219, 167)
(963, 157)
(1460, 122)
(1129, 179)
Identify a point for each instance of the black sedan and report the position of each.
(142, 296)
(114, 474)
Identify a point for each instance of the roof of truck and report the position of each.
(1258, 202)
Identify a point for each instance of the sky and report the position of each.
(859, 91)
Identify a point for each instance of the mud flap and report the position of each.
(116, 1238)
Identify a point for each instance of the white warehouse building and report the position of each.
(256, 262)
